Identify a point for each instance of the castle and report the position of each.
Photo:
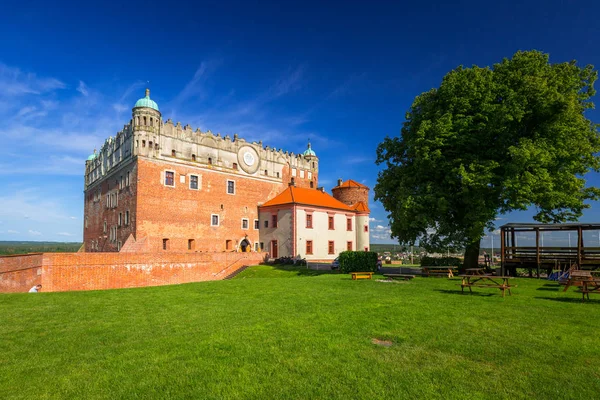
(165, 205)
(160, 187)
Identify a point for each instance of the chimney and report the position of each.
(340, 182)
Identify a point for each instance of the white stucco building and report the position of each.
(314, 224)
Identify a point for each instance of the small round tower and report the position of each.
(146, 124)
(351, 192)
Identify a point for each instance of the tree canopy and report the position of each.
(489, 141)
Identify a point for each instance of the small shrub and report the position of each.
(358, 261)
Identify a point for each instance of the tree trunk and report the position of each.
(472, 255)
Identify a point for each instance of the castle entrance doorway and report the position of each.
(245, 245)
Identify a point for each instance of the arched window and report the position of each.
(151, 121)
(312, 184)
(138, 120)
(193, 157)
(266, 172)
(209, 161)
(145, 121)
(173, 153)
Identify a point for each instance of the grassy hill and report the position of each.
(287, 333)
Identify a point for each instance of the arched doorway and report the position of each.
(245, 245)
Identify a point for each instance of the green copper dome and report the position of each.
(92, 156)
(146, 102)
(309, 151)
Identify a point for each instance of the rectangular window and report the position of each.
(127, 217)
(191, 244)
(127, 179)
(331, 247)
(266, 223)
(120, 218)
(309, 249)
(119, 245)
(331, 227)
(301, 173)
(230, 187)
(194, 182)
(349, 246)
(309, 221)
(255, 246)
(256, 224)
(214, 220)
(274, 221)
(309, 175)
(165, 244)
(293, 171)
(169, 178)
(366, 228)
(244, 223)
(104, 230)
(348, 224)
(262, 246)
(235, 166)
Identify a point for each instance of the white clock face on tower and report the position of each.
(249, 158)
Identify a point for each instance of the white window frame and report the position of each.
(197, 182)
(309, 175)
(301, 173)
(294, 173)
(227, 187)
(218, 219)
(164, 181)
(126, 217)
(247, 223)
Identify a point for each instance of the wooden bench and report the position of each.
(439, 271)
(406, 277)
(361, 275)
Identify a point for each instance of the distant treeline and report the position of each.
(8, 248)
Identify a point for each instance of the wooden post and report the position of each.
(579, 246)
(537, 250)
(502, 235)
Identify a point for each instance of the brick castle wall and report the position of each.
(179, 213)
(59, 272)
(19, 273)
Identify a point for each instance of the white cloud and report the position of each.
(12, 231)
(34, 233)
(65, 234)
(14, 82)
(373, 219)
(73, 217)
(83, 89)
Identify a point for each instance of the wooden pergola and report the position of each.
(538, 257)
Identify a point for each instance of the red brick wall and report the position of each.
(179, 213)
(20, 273)
(351, 195)
(97, 211)
(96, 271)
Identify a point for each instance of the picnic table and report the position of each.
(361, 275)
(577, 277)
(437, 271)
(590, 286)
(471, 280)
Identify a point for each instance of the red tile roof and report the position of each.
(361, 207)
(309, 197)
(351, 183)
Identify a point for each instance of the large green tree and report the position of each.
(486, 142)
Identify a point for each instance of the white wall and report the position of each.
(283, 232)
(320, 234)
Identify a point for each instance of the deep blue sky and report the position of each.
(342, 74)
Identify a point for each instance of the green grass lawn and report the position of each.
(309, 336)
